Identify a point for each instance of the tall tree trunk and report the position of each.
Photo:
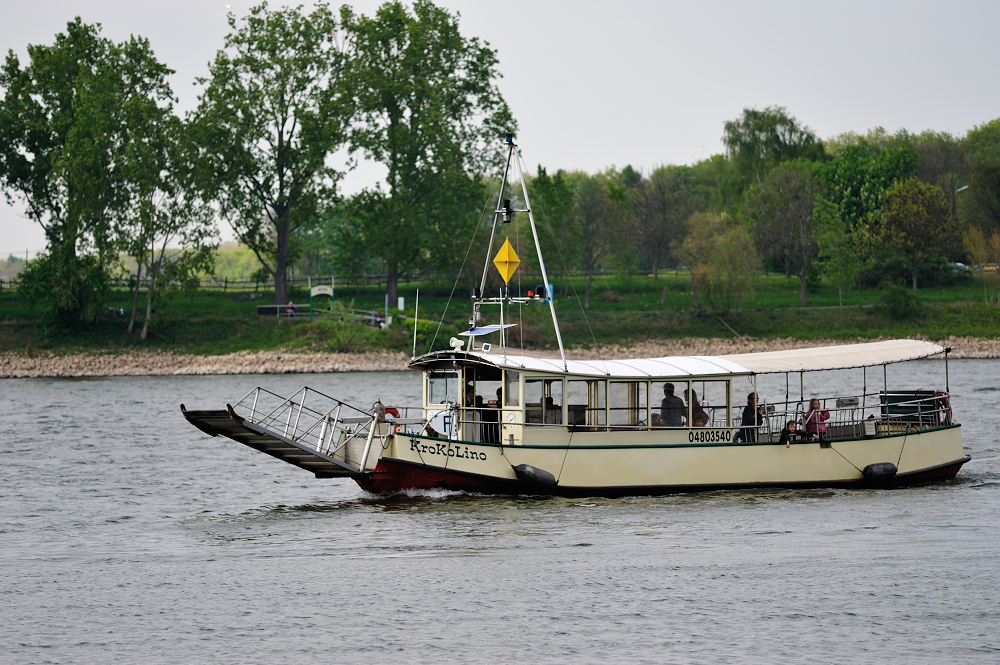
(694, 291)
(392, 283)
(135, 296)
(914, 279)
(802, 287)
(282, 230)
(149, 307)
(590, 283)
(656, 269)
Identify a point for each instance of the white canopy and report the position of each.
(845, 356)
(795, 360)
(639, 368)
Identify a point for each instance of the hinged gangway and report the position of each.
(311, 430)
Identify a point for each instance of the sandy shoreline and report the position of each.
(282, 362)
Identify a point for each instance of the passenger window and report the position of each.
(511, 388)
(586, 402)
(709, 403)
(669, 408)
(543, 400)
(627, 402)
(442, 387)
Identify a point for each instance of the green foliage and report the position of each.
(760, 140)
(858, 177)
(837, 261)
(277, 104)
(66, 287)
(981, 202)
(898, 303)
(79, 130)
(917, 223)
(983, 143)
(432, 114)
(779, 210)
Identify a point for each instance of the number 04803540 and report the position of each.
(710, 436)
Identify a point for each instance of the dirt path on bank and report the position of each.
(282, 362)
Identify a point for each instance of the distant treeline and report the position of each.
(91, 145)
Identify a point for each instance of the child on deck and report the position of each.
(814, 419)
(791, 430)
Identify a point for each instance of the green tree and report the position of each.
(593, 208)
(274, 110)
(554, 205)
(917, 223)
(981, 202)
(68, 125)
(780, 212)
(758, 141)
(860, 175)
(167, 229)
(433, 116)
(622, 225)
(733, 268)
(696, 249)
(837, 259)
(984, 254)
(663, 202)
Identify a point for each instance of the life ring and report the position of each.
(945, 405)
(394, 412)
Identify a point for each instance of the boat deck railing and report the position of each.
(850, 416)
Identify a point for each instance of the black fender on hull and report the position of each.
(534, 476)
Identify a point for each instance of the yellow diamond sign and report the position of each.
(506, 261)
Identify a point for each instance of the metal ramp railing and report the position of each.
(310, 430)
(324, 426)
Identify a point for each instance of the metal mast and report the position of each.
(504, 208)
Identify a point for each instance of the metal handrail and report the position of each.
(325, 425)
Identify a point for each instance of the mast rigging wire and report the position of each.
(475, 232)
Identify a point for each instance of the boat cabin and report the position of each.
(478, 396)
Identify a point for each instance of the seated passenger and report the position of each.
(672, 409)
(791, 430)
(553, 412)
(692, 398)
(700, 419)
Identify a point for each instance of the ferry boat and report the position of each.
(494, 419)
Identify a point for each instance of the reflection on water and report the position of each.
(127, 535)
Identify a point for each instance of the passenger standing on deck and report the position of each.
(753, 416)
(671, 408)
(815, 417)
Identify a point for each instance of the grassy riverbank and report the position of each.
(212, 322)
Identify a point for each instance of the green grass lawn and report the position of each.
(212, 322)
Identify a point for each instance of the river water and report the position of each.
(128, 536)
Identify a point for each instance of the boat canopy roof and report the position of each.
(845, 356)
(795, 360)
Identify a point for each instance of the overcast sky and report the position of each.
(596, 84)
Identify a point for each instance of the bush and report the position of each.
(814, 279)
(67, 286)
(898, 302)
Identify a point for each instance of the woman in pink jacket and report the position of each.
(814, 419)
